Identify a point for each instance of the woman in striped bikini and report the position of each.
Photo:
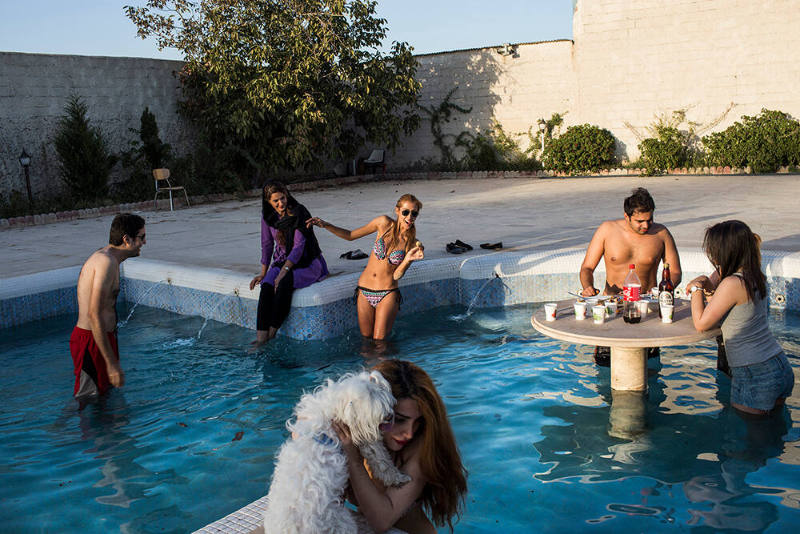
(395, 248)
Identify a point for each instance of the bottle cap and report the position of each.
(631, 266)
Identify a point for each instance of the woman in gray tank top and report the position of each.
(761, 376)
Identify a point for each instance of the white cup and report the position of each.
(643, 307)
(667, 311)
(598, 314)
(550, 311)
(611, 308)
(580, 311)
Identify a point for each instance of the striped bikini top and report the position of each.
(395, 256)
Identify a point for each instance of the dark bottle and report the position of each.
(666, 289)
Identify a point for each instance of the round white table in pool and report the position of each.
(628, 342)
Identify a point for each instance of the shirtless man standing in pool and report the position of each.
(93, 344)
(633, 239)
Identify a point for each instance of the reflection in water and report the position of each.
(627, 418)
(103, 423)
(374, 350)
(709, 456)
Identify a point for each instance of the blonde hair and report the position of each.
(412, 233)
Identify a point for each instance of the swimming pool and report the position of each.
(193, 434)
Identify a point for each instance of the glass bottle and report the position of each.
(666, 289)
(631, 291)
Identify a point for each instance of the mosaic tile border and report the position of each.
(325, 310)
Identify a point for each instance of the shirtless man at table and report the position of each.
(633, 239)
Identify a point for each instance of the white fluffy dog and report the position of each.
(307, 491)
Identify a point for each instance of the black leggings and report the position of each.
(273, 306)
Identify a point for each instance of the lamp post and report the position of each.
(25, 161)
(542, 128)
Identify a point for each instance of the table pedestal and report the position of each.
(629, 368)
(628, 417)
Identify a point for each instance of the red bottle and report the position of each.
(631, 291)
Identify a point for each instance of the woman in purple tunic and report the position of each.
(294, 253)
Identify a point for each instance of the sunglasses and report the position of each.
(413, 213)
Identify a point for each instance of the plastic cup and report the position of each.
(643, 308)
(654, 292)
(611, 308)
(580, 311)
(598, 314)
(550, 311)
(667, 310)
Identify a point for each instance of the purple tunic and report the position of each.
(270, 246)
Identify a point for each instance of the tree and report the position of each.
(152, 149)
(287, 83)
(84, 160)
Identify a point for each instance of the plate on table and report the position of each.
(595, 298)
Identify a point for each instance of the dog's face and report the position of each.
(365, 402)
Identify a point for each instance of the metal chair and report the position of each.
(162, 175)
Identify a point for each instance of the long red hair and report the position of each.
(443, 495)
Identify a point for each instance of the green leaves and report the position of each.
(291, 83)
(581, 148)
(764, 142)
(84, 160)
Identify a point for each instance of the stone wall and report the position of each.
(639, 58)
(629, 61)
(34, 89)
(516, 89)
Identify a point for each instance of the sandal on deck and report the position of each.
(452, 248)
(356, 254)
(492, 246)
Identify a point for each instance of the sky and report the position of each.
(100, 28)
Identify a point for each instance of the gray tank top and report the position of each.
(746, 334)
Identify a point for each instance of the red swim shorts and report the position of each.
(91, 375)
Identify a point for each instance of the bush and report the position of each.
(146, 153)
(494, 150)
(764, 142)
(663, 153)
(580, 149)
(16, 204)
(84, 159)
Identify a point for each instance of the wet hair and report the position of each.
(731, 246)
(124, 224)
(640, 200)
(268, 212)
(446, 479)
(411, 236)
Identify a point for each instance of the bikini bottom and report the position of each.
(374, 297)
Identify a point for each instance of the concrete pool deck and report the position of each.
(528, 214)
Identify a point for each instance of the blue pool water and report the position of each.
(192, 435)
